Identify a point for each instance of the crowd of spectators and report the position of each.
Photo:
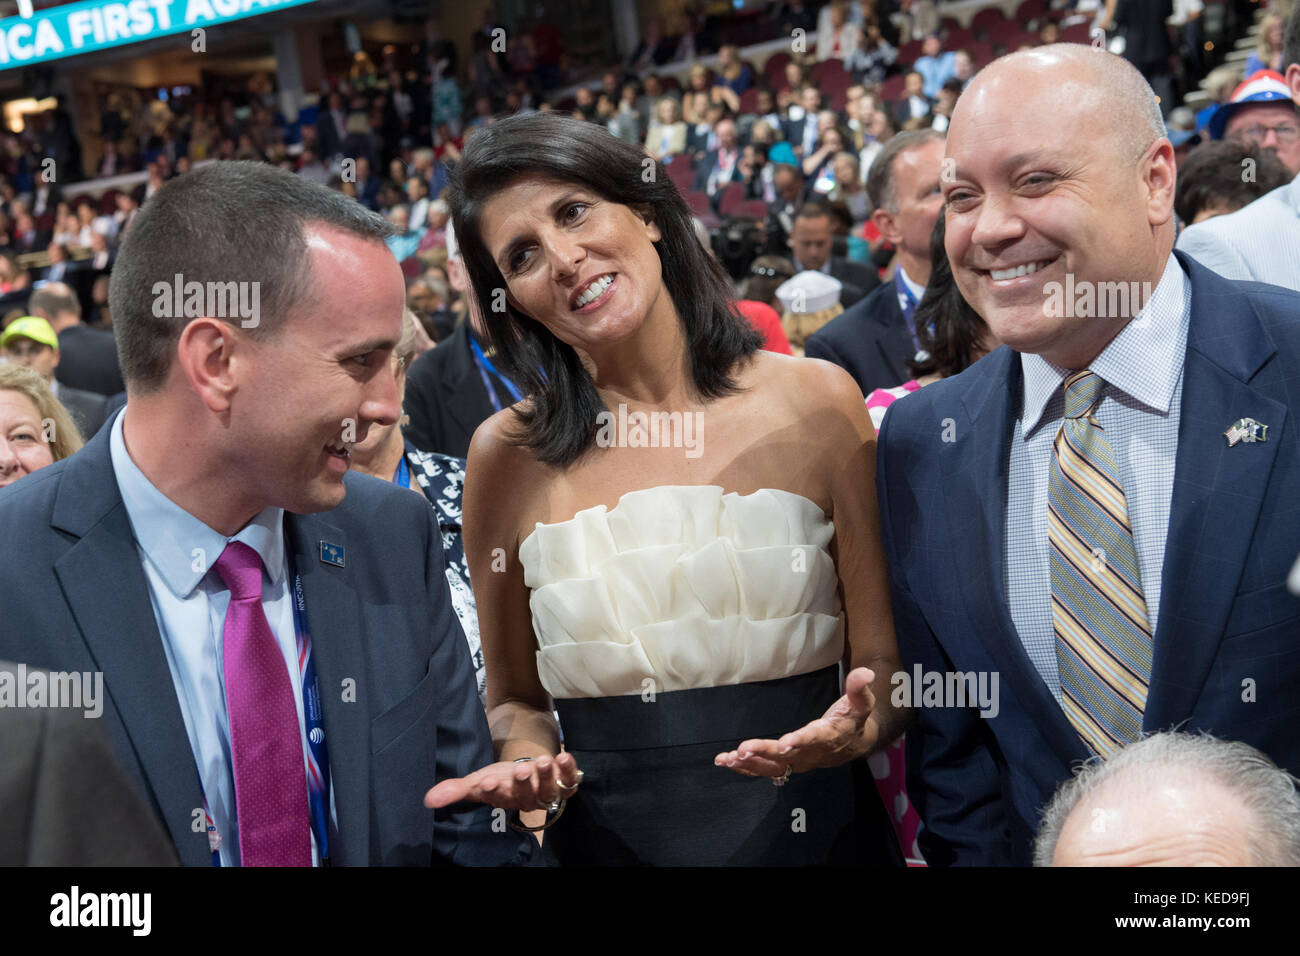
(754, 146)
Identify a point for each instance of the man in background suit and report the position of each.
(447, 388)
(1262, 240)
(803, 132)
(278, 648)
(810, 249)
(88, 357)
(1101, 514)
(874, 339)
(331, 126)
(913, 104)
(30, 341)
(720, 166)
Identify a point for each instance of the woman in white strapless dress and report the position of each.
(703, 602)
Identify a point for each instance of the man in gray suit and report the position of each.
(283, 674)
(1261, 241)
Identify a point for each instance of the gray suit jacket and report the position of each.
(88, 409)
(1259, 242)
(64, 801)
(401, 707)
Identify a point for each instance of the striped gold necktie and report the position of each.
(1099, 611)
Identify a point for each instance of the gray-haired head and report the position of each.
(1267, 794)
(228, 222)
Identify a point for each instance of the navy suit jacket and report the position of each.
(398, 690)
(1227, 641)
(869, 340)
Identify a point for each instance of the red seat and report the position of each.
(680, 172)
(702, 209)
(732, 195)
(775, 65)
(837, 99)
(956, 39)
(1031, 9)
(1078, 33)
(908, 53)
(981, 54)
(749, 100)
(749, 209)
(833, 89)
(986, 19)
(892, 89)
(108, 202)
(828, 71)
(1004, 32)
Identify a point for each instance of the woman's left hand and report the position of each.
(841, 735)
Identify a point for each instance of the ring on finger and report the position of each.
(782, 780)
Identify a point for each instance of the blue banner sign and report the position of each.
(102, 24)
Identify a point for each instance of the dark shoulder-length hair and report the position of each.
(560, 423)
(947, 328)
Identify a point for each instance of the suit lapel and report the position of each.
(1217, 492)
(108, 595)
(334, 618)
(895, 344)
(466, 399)
(975, 497)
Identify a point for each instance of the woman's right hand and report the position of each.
(526, 785)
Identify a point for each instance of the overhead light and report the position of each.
(15, 109)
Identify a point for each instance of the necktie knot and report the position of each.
(240, 569)
(1082, 393)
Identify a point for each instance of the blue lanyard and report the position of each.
(909, 310)
(318, 760)
(403, 474)
(485, 366)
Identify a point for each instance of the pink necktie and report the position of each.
(265, 740)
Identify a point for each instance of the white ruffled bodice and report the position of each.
(682, 586)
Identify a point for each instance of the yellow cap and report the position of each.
(30, 327)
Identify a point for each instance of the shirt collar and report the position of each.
(1144, 360)
(917, 290)
(800, 267)
(180, 546)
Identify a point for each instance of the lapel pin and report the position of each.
(331, 554)
(1247, 430)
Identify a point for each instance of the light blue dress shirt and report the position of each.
(405, 244)
(189, 604)
(1259, 242)
(936, 70)
(1139, 410)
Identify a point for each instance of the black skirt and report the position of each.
(651, 795)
